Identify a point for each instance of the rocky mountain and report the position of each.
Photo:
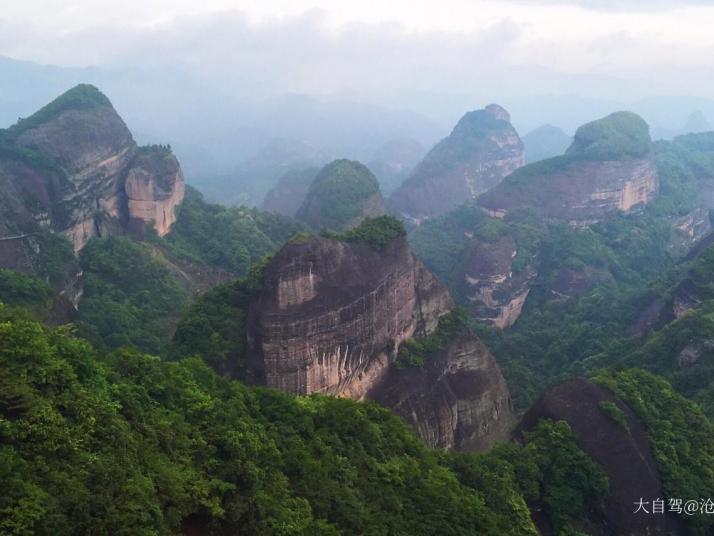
(481, 150)
(74, 168)
(608, 167)
(287, 196)
(393, 162)
(331, 316)
(342, 194)
(544, 142)
(610, 432)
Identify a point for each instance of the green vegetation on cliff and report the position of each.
(618, 135)
(416, 352)
(377, 232)
(336, 198)
(682, 437)
(214, 326)
(80, 97)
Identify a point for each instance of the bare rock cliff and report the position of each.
(81, 173)
(609, 167)
(458, 401)
(330, 318)
(154, 188)
(496, 292)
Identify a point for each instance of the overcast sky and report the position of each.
(326, 46)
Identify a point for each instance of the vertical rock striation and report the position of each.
(330, 317)
(608, 167)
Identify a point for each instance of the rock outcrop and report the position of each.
(496, 292)
(624, 453)
(481, 150)
(330, 318)
(343, 194)
(609, 167)
(457, 401)
(79, 171)
(154, 188)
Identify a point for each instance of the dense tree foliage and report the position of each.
(336, 198)
(214, 327)
(550, 473)
(681, 435)
(127, 444)
(231, 238)
(416, 352)
(130, 297)
(377, 232)
(617, 135)
(25, 290)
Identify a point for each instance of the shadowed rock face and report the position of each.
(330, 318)
(496, 292)
(457, 401)
(625, 454)
(81, 173)
(608, 167)
(481, 150)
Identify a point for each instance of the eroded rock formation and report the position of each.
(79, 171)
(154, 188)
(330, 318)
(495, 290)
(481, 150)
(608, 167)
(457, 401)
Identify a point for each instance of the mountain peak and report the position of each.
(498, 112)
(80, 97)
(615, 136)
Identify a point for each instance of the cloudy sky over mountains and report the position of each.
(370, 42)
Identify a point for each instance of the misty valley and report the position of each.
(351, 319)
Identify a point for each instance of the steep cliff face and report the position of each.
(496, 292)
(608, 167)
(70, 162)
(330, 311)
(481, 150)
(621, 448)
(343, 194)
(154, 188)
(330, 318)
(457, 401)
